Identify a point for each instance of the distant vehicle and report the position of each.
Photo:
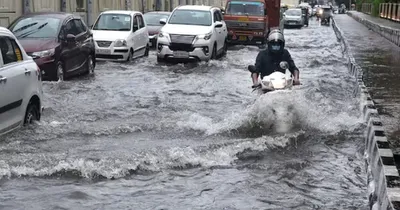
(152, 20)
(342, 9)
(326, 15)
(314, 11)
(306, 5)
(192, 33)
(120, 35)
(60, 43)
(335, 9)
(250, 21)
(20, 85)
(293, 17)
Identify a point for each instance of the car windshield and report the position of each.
(113, 22)
(153, 19)
(191, 17)
(245, 8)
(36, 27)
(293, 12)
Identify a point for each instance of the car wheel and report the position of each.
(146, 52)
(32, 114)
(225, 48)
(90, 64)
(130, 56)
(214, 52)
(160, 60)
(60, 72)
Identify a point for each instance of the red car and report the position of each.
(60, 43)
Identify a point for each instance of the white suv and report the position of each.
(20, 84)
(192, 32)
(120, 36)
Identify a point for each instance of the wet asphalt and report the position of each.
(380, 60)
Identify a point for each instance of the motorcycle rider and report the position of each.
(268, 60)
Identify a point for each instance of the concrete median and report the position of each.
(383, 176)
(392, 34)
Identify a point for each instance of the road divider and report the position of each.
(383, 176)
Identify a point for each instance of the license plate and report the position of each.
(181, 54)
(103, 51)
(150, 44)
(291, 23)
(242, 38)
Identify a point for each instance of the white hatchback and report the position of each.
(120, 35)
(20, 84)
(192, 32)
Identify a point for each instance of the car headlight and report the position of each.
(205, 36)
(120, 43)
(44, 53)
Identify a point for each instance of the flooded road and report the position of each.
(147, 136)
(380, 60)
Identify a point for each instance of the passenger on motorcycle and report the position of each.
(268, 60)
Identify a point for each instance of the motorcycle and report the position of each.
(326, 16)
(325, 21)
(275, 81)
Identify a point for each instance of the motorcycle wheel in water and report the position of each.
(325, 21)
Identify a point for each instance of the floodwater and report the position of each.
(141, 135)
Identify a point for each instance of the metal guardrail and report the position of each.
(390, 11)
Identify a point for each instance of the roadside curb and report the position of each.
(383, 179)
(389, 33)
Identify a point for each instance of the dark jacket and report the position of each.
(266, 64)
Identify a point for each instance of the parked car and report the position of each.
(192, 32)
(60, 43)
(152, 20)
(294, 17)
(120, 35)
(20, 84)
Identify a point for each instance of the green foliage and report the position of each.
(375, 8)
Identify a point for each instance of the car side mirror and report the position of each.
(71, 38)
(218, 24)
(163, 21)
(284, 65)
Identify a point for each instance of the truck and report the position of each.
(250, 21)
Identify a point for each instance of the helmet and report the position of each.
(276, 41)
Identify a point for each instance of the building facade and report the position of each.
(90, 9)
